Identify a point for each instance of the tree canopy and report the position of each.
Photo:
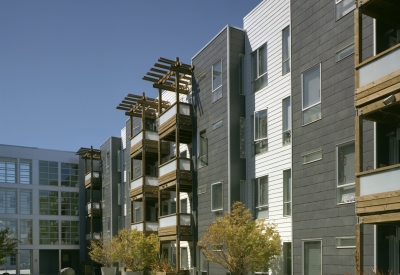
(8, 245)
(102, 252)
(239, 243)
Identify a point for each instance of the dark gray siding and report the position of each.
(316, 37)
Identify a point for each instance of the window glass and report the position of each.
(311, 157)
(11, 224)
(48, 232)
(26, 231)
(343, 7)
(260, 125)
(346, 242)
(184, 206)
(346, 173)
(287, 193)
(286, 121)
(8, 170)
(343, 53)
(312, 258)
(286, 50)
(69, 174)
(311, 95)
(184, 258)
(216, 198)
(70, 203)
(217, 80)
(260, 146)
(203, 148)
(8, 201)
(48, 173)
(25, 171)
(287, 258)
(69, 232)
(48, 202)
(25, 202)
(261, 197)
(137, 211)
(259, 68)
(25, 260)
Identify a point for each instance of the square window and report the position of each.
(311, 91)
(216, 196)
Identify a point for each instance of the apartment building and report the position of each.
(376, 99)
(41, 201)
(268, 121)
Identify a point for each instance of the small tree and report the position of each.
(104, 253)
(240, 244)
(8, 245)
(135, 250)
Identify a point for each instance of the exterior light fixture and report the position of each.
(389, 100)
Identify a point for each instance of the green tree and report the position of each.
(102, 252)
(239, 243)
(135, 250)
(8, 245)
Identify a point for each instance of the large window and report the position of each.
(260, 132)
(25, 202)
(136, 211)
(287, 258)
(25, 260)
(286, 121)
(184, 258)
(69, 232)
(25, 231)
(260, 187)
(48, 232)
(48, 202)
(48, 173)
(311, 89)
(25, 171)
(312, 257)
(217, 80)
(259, 68)
(216, 196)
(203, 149)
(8, 201)
(287, 192)
(69, 203)
(344, 7)
(286, 50)
(346, 173)
(11, 224)
(8, 167)
(69, 174)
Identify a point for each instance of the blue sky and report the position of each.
(65, 65)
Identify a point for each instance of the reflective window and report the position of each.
(48, 232)
(344, 7)
(286, 121)
(69, 232)
(69, 203)
(12, 225)
(216, 196)
(48, 202)
(48, 173)
(25, 202)
(343, 53)
(69, 174)
(287, 192)
(259, 68)
(346, 173)
(25, 231)
(261, 197)
(217, 80)
(25, 260)
(203, 149)
(286, 50)
(25, 171)
(311, 89)
(8, 167)
(8, 201)
(312, 258)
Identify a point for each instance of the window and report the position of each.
(216, 196)
(312, 258)
(286, 121)
(25, 171)
(259, 131)
(259, 68)
(25, 231)
(136, 211)
(184, 206)
(287, 192)
(217, 80)
(119, 160)
(69, 174)
(48, 202)
(346, 242)
(201, 189)
(287, 258)
(241, 74)
(286, 50)
(107, 159)
(48, 173)
(312, 156)
(48, 232)
(217, 124)
(13, 259)
(108, 224)
(346, 173)
(241, 137)
(343, 7)
(260, 187)
(311, 89)
(119, 194)
(203, 263)
(184, 258)
(25, 202)
(69, 232)
(11, 224)
(8, 201)
(69, 203)
(25, 260)
(345, 52)
(8, 167)
(203, 148)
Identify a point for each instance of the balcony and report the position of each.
(146, 184)
(173, 118)
(93, 182)
(93, 209)
(150, 227)
(379, 199)
(147, 139)
(169, 172)
(93, 236)
(168, 225)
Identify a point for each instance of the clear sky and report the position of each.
(65, 65)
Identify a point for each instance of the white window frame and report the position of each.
(205, 156)
(254, 121)
(343, 246)
(285, 189)
(258, 75)
(288, 59)
(212, 197)
(302, 94)
(289, 117)
(310, 153)
(336, 3)
(352, 184)
(342, 49)
(212, 81)
(303, 254)
(217, 124)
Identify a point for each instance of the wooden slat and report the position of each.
(381, 218)
(375, 57)
(378, 95)
(373, 107)
(377, 85)
(378, 170)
